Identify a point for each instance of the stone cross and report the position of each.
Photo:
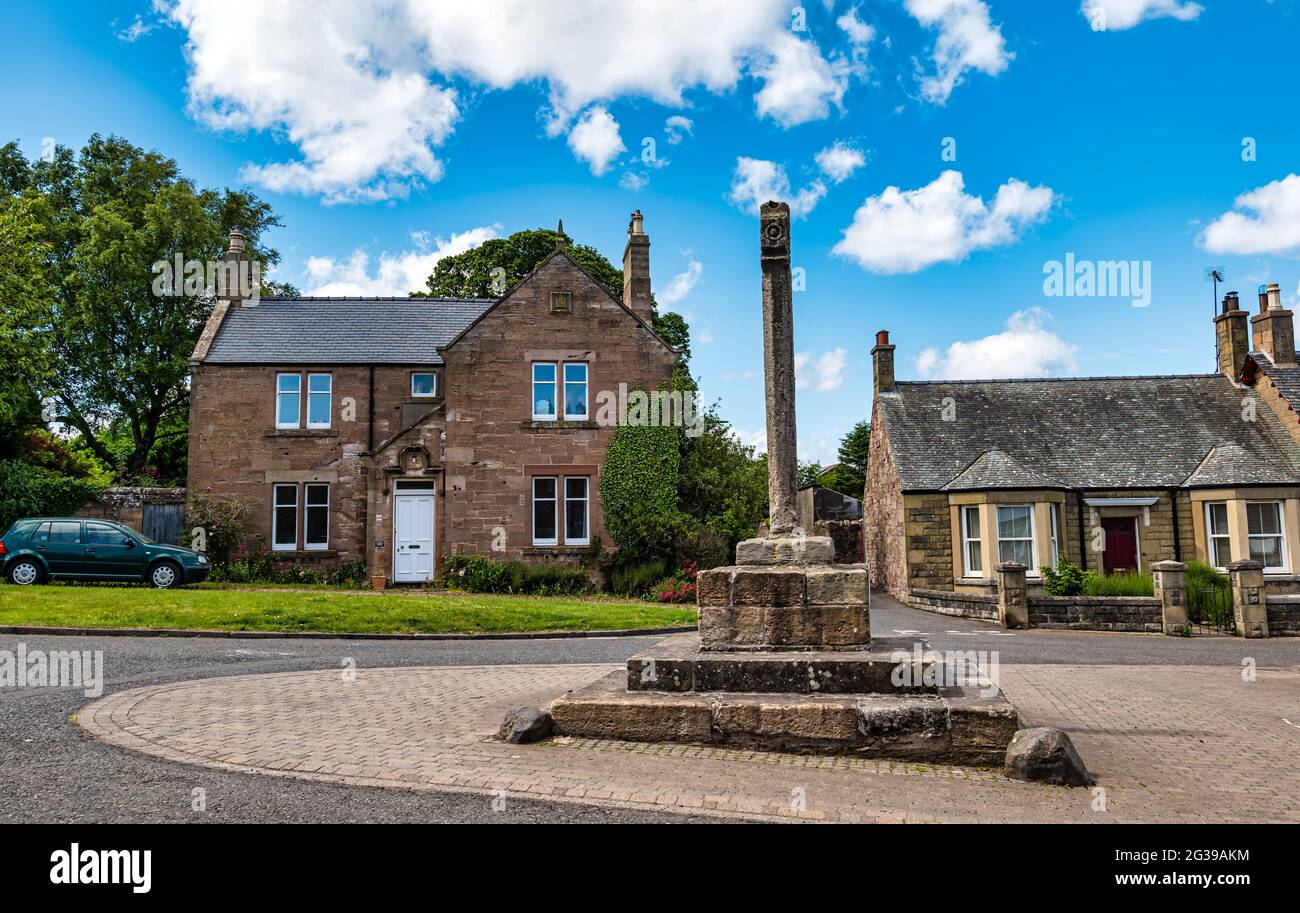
(778, 367)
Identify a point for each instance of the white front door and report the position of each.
(413, 538)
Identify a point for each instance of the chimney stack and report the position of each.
(882, 364)
(232, 273)
(636, 268)
(1230, 338)
(1272, 329)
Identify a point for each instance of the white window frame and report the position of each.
(308, 507)
(556, 500)
(1284, 567)
(433, 374)
(295, 393)
(586, 374)
(1032, 569)
(586, 510)
(971, 537)
(328, 393)
(555, 384)
(1210, 535)
(276, 545)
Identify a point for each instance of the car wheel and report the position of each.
(164, 575)
(25, 572)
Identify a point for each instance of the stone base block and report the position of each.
(786, 550)
(762, 607)
(952, 726)
(678, 664)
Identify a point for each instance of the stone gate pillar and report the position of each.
(1248, 602)
(1170, 579)
(1013, 595)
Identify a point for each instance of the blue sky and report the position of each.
(995, 137)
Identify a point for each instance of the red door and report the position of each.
(1121, 544)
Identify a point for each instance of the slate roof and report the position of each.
(1102, 432)
(343, 330)
(996, 469)
(1286, 380)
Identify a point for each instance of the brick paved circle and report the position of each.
(1168, 743)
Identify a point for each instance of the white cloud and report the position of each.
(859, 32)
(680, 285)
(678, 128)
(398, 274)
(362, 90)
(839, 160)
(634, 181)
(968, 40)
(799, 84)
(906, 231)
(595, 139)
(756, 439)
(136, 30)
(1024, 349)
(756, 181)
(1265, 220)
(820, 372)
(1118, 15)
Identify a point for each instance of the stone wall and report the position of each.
(929, 541)
(847, 537)
(1156, 540)
(1283, 616)
(126, 505)
(963, 605)
(1097, 613)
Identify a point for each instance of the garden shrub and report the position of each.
(29, 491)
(224, 522)
(1121, 584)
(638, 489)
(678, 588)
(637, 579)
(1066, 580)
(478, 574)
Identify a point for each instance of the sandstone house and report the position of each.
(399, 430)
(1115, 473)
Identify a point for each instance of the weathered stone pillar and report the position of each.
(1248, 602)
(778, 367)
(1170, 579)
(1013, 595)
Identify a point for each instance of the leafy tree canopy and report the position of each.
(114, 355)
(856, 447)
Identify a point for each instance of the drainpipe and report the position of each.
(1173, 505)
(1083, 534)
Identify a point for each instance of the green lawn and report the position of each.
(324, 610)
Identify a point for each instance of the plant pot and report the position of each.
(378, 581)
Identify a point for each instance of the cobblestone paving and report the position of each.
(1168, 743)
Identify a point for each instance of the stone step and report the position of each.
(678, 664)
(953, 726)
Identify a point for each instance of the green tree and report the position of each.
(118, 353)
(26, 315)
(855, 448)
(722, 484)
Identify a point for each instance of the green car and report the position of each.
(67, 548)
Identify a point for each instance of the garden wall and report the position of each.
(963, 605)
(128, 507)
(1097, 613)
(1283, 616)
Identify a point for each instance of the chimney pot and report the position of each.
(237, 240)
(882, 337)
(1231, 302)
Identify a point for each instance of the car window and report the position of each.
(42, 533)
(66, 532)
(103, 534)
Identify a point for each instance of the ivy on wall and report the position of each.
(638, 488)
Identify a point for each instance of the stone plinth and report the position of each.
(678, 664)
(783, 550)
(780, 607)
(955, 725)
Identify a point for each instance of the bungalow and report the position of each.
(1114, 473)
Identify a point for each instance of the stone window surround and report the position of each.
(1238, 538)
(560, 384)
(559, 474)
(304, 394)
(1042, 502)
(298, 479)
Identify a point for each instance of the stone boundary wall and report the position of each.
(1097, 613)
(126, 505)
(1283, 616)
(963, 605)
